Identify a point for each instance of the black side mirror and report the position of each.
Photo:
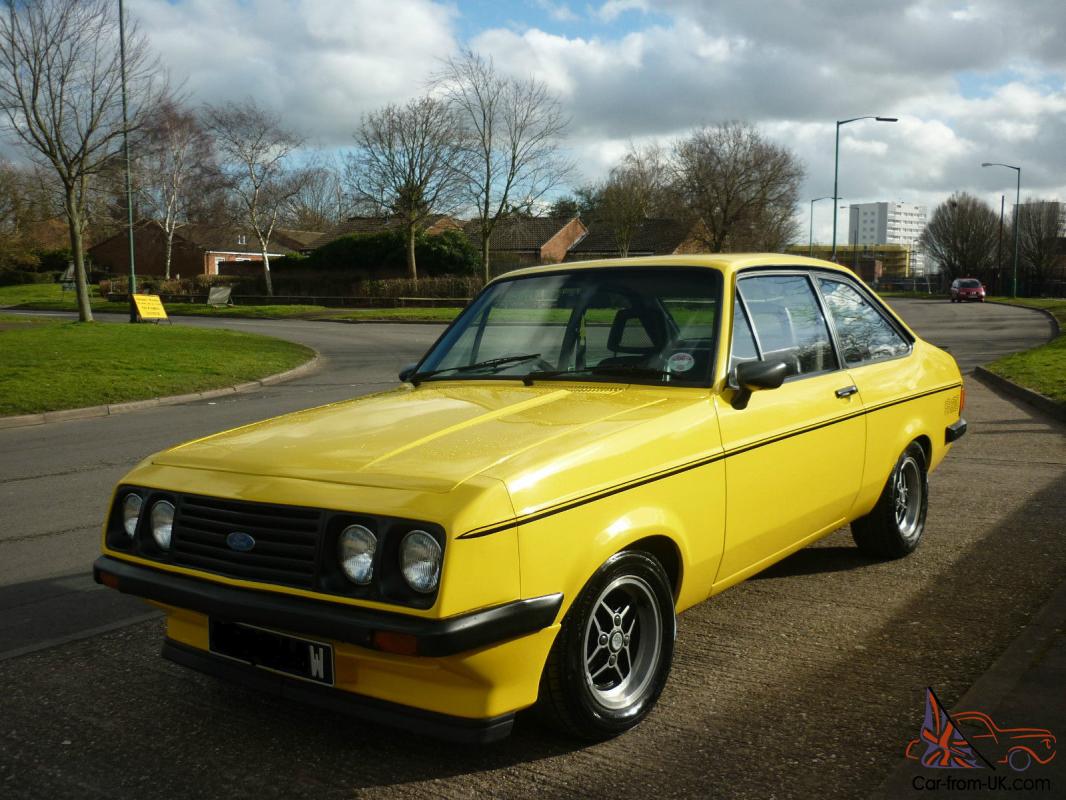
(751, 376)
(407, 371)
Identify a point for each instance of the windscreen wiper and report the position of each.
(608, 369)
(417, 377)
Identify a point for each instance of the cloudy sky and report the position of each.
(970, 81)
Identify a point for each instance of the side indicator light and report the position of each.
(403, 644)
(109, 580)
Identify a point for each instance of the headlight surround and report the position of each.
(131, 513)
(162, 523)
(420, 557)
(355, 551)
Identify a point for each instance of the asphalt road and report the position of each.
(806, 681)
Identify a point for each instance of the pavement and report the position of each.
(805, 681)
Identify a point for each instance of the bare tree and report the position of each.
(320, 203)
(513, 130)
(961, 237)
(60, 94)
(634, 190)
(1040, 223)
(254, 148)
(742, 187)
(176, 150)
(409, 162)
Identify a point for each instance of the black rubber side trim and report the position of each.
(426, 723)
(345, 623)
(955, 431)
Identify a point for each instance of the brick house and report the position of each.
(651, 237)
(197, 250)
(528, 241)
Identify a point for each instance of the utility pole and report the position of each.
(126, 151)
(999, 244)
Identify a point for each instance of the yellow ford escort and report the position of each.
(588, 450)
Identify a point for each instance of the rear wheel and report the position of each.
(610, 661)
(894, 527)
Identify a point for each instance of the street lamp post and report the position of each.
(1017, 207)
(836, 168)
(126, 154)
(810, 238)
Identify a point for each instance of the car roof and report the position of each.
(727, 263)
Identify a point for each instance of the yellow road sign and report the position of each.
(149, 306)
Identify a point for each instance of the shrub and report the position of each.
(56, 260)
(18, 277)
(384, 255)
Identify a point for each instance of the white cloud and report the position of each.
(322, 63)
(612, 9)
(560, 12)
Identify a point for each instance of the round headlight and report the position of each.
(355, 549)
(420, 561)
(131, 512)
(162, 523)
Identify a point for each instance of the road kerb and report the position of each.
(1035, 399)
(89, 412)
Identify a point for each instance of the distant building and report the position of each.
(528, 241)
(872, 262)
(432, 225)
(649, 237)
(197, 250)
(889, 223)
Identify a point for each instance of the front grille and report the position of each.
(286, 539)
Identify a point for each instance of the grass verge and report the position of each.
(51, 365)
(50, 297)
(1042, 369)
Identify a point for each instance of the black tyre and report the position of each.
(894, 527)
(610, 661)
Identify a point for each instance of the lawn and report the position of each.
(50, 297)
(52, 364)
(1042, 369)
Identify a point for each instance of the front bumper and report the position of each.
(343, 623)
(428, 723)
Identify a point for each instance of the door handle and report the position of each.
(847, 391)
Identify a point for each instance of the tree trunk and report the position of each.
(485, 256)
(166, 256)
(412, 269)
(77, 249)
(266, 273)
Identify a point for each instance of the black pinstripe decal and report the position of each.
(702, 462)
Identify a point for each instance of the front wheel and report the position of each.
(610, 661)
(894, 527)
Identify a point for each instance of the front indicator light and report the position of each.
(420, 561)
(355, 549)
(131, 513)
(162, 523)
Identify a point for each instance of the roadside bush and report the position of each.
(444, 286)
(384, 255)
(19, 277)
(56, 260)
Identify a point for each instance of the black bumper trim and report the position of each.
(955, 431)
(426, 723)
(435, 637)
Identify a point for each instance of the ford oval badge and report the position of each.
(239, 541)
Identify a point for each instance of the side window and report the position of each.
(865, 335)
(743, 347)
(788, 322)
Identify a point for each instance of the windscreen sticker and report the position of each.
(680, 362)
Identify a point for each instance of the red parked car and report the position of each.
(963, 289)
